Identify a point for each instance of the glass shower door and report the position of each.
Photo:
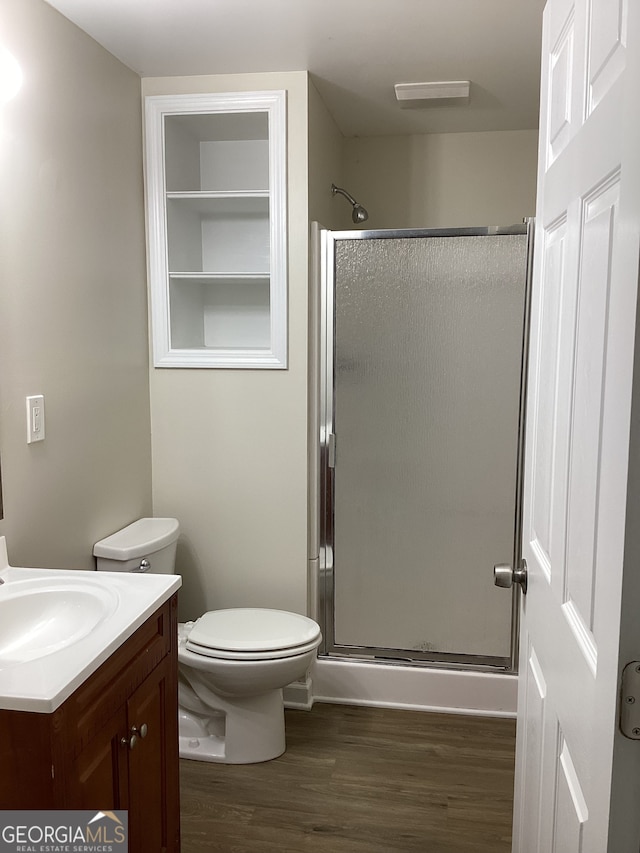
(425, 365)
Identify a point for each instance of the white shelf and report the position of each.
(228, 200)
(219, 276)
(216, 184)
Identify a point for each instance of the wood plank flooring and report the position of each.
(360, 780)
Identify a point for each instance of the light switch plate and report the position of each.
(35, 418)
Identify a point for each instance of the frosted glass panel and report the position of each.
(428, 345)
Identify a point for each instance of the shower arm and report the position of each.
(359, 213)
(350, 198)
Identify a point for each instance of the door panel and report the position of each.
(570, 806)
(535, 691)
(584, 566)
(607, 44)
(550, 396)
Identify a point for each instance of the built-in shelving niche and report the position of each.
(216, 190)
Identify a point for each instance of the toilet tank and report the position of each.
(147, 545)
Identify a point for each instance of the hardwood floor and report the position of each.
(360, 780)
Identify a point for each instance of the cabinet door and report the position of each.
(99, 773)
(152, 715)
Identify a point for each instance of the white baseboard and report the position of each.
(349, 682)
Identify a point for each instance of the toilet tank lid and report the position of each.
(144, 536)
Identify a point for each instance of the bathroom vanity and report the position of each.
(111, 741)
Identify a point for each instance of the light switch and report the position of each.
(35, 418)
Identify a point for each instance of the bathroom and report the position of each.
(224, 451)
(84, 343)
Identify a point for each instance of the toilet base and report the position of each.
(241, 730)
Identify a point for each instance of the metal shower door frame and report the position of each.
(326, 572)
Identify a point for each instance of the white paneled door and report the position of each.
(580, 540)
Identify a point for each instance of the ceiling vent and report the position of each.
(439, 93)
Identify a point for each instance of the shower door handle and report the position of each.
(504, 576)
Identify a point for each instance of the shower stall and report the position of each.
(421, 391)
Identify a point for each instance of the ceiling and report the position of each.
(355, 49)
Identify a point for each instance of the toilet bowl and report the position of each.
(232, 663)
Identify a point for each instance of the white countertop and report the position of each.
(43, 683)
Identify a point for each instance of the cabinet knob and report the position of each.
(135, 733)
(129, 741)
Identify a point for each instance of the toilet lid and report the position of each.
(252, 629)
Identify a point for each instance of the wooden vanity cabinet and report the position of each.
(113, 744)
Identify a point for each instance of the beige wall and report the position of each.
(229, 446)
(325, 166)
(72, 294)
(443, 180)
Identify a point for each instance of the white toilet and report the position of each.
(233, 663)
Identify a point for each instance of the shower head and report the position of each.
(358, 214)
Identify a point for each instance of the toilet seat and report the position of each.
(251, 634)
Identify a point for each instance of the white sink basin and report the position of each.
(58, 625)
(42, 616)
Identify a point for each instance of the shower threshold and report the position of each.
(420, 660)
